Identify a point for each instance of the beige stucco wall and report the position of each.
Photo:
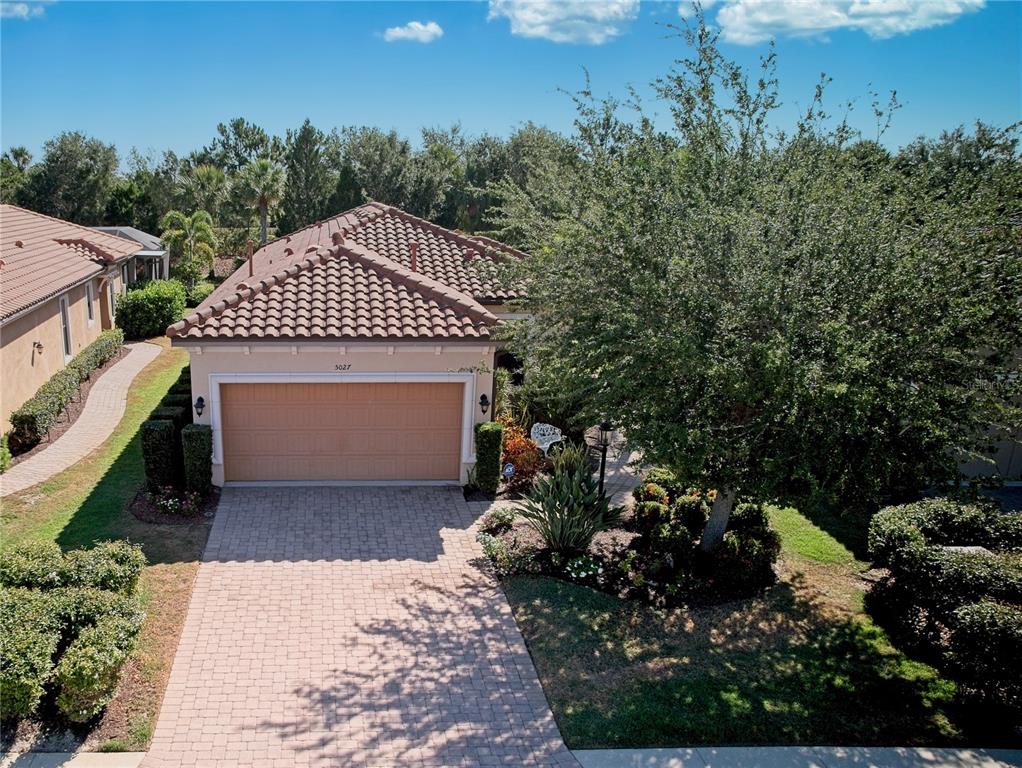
(23, 367)
(474, 362)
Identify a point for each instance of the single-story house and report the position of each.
(58, 287)
(152, 262)
(358, 349)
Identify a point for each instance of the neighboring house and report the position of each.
(152, 262)
(58, 287)
(356, 349)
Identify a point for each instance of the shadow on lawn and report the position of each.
(104, 515)
(777, 669)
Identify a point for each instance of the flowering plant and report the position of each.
(171, 502)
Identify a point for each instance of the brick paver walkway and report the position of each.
(102, 412)
(350, 627)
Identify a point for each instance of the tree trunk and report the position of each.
(262, 223)
(720, 513)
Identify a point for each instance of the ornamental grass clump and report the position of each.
(567, 510)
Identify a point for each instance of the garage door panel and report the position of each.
(363, 431)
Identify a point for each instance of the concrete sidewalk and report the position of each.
(800, 757)
(103, 411)
(71, 760)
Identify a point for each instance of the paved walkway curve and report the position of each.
(350, 627)
(102, 412)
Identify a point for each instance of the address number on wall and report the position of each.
(342, 367)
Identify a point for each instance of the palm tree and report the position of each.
(262, 182)
(205, 188)
(192, 240)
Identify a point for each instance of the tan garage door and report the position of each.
(341, 431)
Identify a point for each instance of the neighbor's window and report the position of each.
(65, 327)
(90, 298)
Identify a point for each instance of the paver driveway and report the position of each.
(350, 627)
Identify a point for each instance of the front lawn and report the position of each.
(800, 664)
(86, 504)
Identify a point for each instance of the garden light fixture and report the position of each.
(200, 405)
(604, 444)
(484, 403)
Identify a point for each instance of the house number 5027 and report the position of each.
(342, 367)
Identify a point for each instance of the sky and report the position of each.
(161, 75)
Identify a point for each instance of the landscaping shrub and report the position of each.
(523, 454)
(178, 400)
(197, 450)
(5, 454)
(489, 438)
(691, 512)
(650, 492)
(37, 414)
(198, 293)
(508, 557)
(29, 636)
(158, 453)
(961, 606)
(649, 514)
(743, 561)
(567, 510)
(35, 564)
(147, 311)
(182, 388)
(89, 669)
(667, 480)
(64, 605)
(984, 648)
(569, 457)
(497, 520)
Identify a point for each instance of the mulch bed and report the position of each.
(145, 511)
(69, 417)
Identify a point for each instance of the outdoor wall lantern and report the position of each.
(484, 403)
(604, 444)
(200, 405)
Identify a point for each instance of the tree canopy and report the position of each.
(774, 314)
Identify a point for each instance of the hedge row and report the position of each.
(61, 629)
(197, 452)
(962, 605)
(489, 438)
(35, 417)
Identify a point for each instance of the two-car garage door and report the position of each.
(341, 431)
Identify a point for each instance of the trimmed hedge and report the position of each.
(178, 400)
(158, 453)
(147, 311)
(197, 449)
(960, 605)
(489, 439)
(35, 417)
(53, 604)
(5, 454)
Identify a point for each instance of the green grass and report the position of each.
(804, 538)
(800, 664)
(88, 503)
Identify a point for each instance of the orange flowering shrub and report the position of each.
(521, 452)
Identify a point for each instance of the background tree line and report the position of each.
(246, 178)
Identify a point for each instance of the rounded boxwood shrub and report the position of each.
(147, 311)
(197, 449)
(158, 453)
(489, 439)
(110, 565)
(649, 514)
(691, 512)
(984, 648)
(29, 637)
(667, 480)
(650, 492)
(38, 564)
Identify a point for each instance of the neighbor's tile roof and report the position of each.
(42, 256)
(341, 292)
(351, 276)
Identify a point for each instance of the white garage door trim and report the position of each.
(410, 377)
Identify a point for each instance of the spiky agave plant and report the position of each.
(567, 510)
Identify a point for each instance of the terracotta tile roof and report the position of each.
(341, 292)
(42, 256)
(352, 277)
(465, 263)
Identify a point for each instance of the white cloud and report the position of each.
(687, 8)
(755, 21)
(23, 11)
(415, 31)
(566, 21)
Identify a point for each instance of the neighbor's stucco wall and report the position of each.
(23, 367)
(324, 359)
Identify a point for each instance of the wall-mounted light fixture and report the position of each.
(200, 405)
(484, 403)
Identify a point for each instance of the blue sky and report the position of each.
(161, 75)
